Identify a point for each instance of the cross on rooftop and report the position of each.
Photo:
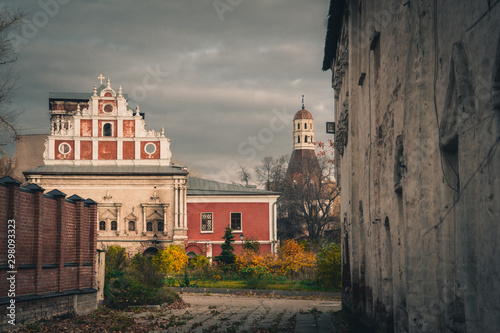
(100, 78)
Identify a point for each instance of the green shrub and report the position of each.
(329, 265)
(252, 245)
(144, 270)
(116, 258)
(199, 262)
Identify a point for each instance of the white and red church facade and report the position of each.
(99, 148)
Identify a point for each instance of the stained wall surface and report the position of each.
(417, 134)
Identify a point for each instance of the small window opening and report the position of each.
(107, 130)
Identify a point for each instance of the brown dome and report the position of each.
(303, 114)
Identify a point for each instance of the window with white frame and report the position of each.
(236, 221)
(207, 222)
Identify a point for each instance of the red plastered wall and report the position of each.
(85, 150)
(128, 150)
(254, 221)
(107, 150)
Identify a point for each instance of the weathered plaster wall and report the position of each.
(420, 165)
(124, 197)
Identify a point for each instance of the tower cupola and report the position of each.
(303, 129)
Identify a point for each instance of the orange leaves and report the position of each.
(291, 260)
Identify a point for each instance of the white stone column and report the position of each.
(165, 219)
(119, 148)
(52, 148)
(95, 149)
(119, 124)
(137, 149)
(77, 149)
(77, 125)
(118, 220)
(95, 128)
(143, 220)
(176, 204)
(184, 208)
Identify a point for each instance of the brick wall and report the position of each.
(55, 248)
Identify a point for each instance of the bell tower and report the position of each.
(303, 155)
(303, 129)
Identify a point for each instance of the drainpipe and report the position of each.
(275, 226)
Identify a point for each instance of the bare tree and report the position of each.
(310, 200)
(244, 174)
(272, 173)
(9, 21)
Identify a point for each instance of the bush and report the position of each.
(116, 258)
(252, 245)
(145, 270)
(173, 259)
(329, 265)
(135, 282)
(199, 262)
(293, 261)
(123, 291)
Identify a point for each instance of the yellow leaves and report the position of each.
(292, 259)
(173, 259)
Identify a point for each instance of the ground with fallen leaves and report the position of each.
(108, 320)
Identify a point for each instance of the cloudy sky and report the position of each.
(224, 77)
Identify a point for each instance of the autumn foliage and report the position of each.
(292, 260)
(173, 259)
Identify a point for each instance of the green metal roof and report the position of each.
(77, 96)
(70, 95)
(199, 186)
(105, 170)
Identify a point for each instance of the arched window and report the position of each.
(298, 139)
(149, 226)
(102, 225)
(298, 126)
(107, 130)
(305, 126)
(114, 225)
(305, 138)
(131, 225)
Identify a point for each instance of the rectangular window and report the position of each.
(236, 221)
(206, 222)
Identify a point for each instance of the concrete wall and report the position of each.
(418, 128)
(29, 153)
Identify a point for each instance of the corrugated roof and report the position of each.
(106, 169)
(199, 186)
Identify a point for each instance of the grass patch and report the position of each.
(281, 284)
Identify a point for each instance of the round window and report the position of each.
(150, 148)
(108, 108)
(64, 148)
